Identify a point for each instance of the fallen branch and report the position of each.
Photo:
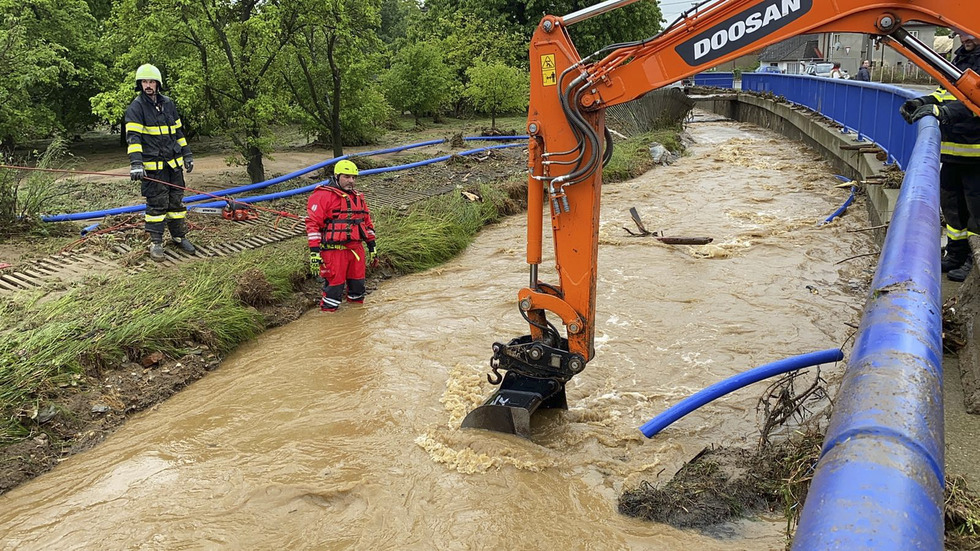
(658, 235)
(856, 256)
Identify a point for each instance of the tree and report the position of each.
(466, 38)
(218, 57)
(418, 80)
(329, 73)
(396, 15)
(633, 22)
(497, 89)
(49, 66)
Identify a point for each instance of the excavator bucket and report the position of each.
(510, 408)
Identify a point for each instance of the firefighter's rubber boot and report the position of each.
(156, 252)
(957, 253)
(328, 304)
(185, 245)
(959, 274)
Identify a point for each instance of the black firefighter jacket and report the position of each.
(155, 134)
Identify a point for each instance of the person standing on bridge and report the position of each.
(836, 71)
(864, 72)
(959, 177)
(158, 156)
(338, 220)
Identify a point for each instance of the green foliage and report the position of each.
(466, 40)
(434, 231)
(49, 66)
(632, 157)
(396, 16)
(24, 193)
(51, 344)
(497, 89)
(418, 80)
(633, 22)
(636, 21)
(329, 71)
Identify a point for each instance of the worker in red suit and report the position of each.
(338, 224)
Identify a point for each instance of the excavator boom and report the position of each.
(569, 145)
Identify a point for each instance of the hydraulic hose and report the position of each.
(717, 390)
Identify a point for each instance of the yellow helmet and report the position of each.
(345, 167)
(148, 72)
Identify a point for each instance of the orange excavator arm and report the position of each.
(569, 144)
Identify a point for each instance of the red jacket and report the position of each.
(337, 217)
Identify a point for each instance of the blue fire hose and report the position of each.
(717, 390)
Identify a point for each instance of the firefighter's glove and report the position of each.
(136, 172)
(911, 106)
(372, 251)
(929, 111)
(315, 261)
(188, 163)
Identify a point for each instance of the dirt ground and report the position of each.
(81, 415)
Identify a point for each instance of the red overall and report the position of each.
(337, 222)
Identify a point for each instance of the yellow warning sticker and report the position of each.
(549, 75)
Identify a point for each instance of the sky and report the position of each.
(672, 9)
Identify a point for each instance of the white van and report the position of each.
(819, 69)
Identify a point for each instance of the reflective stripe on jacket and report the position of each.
(155, 134)
(961, 131)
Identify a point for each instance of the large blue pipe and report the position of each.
(717, 390)
(306, 189)
(261, 185)
(879, 481)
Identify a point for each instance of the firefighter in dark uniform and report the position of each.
(158, 152)
(337, 222)
(959, 177)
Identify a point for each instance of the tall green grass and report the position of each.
(631, 157)
(51, 343)
(434, 231)
(25, 193)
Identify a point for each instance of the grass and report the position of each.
(631, 157)
(435, 231)
(962, 515)
(52, 344)
(23, 194)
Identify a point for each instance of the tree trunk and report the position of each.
(338, 142)
(256, 172)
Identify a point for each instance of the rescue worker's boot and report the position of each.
(185, 245)
(155, 231)
(331, 297)
(156, 252)
(957, 253)
(960, 274)
(178, 231)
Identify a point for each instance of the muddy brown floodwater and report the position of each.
(342, 431)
